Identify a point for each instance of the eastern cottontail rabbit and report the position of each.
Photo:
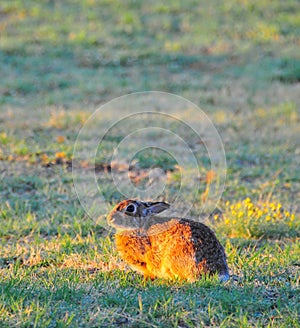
(165, 247)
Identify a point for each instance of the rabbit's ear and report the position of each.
(155, 208)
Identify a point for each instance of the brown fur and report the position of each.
(169, 248)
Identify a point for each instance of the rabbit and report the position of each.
(168, 248)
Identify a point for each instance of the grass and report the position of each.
(265, 220)
(60, 61)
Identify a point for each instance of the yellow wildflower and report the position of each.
(249, 205)
(238, 206)
(268, 218)
(259, 213)
(60, 154)
(247, 200)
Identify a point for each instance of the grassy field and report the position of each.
(59, 60)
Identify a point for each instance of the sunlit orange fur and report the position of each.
(171, 249)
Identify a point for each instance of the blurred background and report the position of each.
(222, 54)
(239, 61)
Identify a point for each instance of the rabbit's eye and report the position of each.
(130, 208)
